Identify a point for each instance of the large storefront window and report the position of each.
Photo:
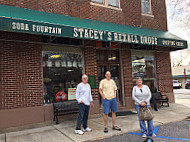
(143, 65)
(62, 71)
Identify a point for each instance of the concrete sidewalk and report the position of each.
(64, 132)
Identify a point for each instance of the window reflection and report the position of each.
(98, 1)
(146, 6)
(144, 67)
(113, 3)
(61, 72)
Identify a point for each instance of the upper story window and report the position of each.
(115, 4)
(98, 1)
(146, 6)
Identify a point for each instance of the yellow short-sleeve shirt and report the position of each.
(108, 88)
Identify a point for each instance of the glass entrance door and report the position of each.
(115, 72)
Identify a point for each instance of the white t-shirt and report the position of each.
(83, 93)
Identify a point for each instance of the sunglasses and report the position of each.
(141, 90)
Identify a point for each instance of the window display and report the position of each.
(62, 71)
(143, 65)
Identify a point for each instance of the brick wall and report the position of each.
(91, 67)
(127, 75)
(158, 21)
(127, 70)
(164, 76)
(21, 71)
(130, 14)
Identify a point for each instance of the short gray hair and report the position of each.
(137, 78)
(84, 76)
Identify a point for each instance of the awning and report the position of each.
(180, 76)
(16, 19)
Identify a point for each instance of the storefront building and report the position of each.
(181, 74)
(46, 46)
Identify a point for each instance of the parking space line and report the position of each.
(156, 130)
(189, 127)
(132, 133)
(172, 138)
(183, 139)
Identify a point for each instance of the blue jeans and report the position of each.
(83, 116)
(143, 125)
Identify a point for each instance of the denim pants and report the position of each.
(143, 125)
(83, 116)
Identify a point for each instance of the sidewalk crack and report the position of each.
(5, 138)
(64, 134)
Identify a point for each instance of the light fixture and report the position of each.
(55, 56)
(70, 70)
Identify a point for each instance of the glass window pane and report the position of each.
(98, 1)
(101, 72)
(144, 67)
(113, 3)
(62, 72)
(146, 6)
(101, 56)
(113, 56)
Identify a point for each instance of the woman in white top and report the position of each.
(84, 98)
(142, 95)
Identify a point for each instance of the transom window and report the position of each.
(112, 3)
(146, 6)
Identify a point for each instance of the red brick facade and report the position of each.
(159, 19)
(164, 76)
(21, 71)
(91, 67)
(21, 74)
(127, 75)
(130, 14)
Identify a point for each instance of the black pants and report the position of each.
(83, 116)
(153, 100)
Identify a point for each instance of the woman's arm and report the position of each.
(149, 95)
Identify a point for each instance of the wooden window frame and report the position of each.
(105, 4)
(147, 14)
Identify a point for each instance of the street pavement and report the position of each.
(182, 96)
(169, 121)
(168, 132)
(171, 132)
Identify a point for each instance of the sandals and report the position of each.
(106, 130)
(116, 128)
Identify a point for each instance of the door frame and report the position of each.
(108, 65)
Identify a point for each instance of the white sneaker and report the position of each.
(144, 135)
(153, 135)
(87, 130)
(79, 132)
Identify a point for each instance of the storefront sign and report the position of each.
(71, 93)
(16, 25)
(113, 36)
(36, 28)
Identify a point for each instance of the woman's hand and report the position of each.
(143, 104)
